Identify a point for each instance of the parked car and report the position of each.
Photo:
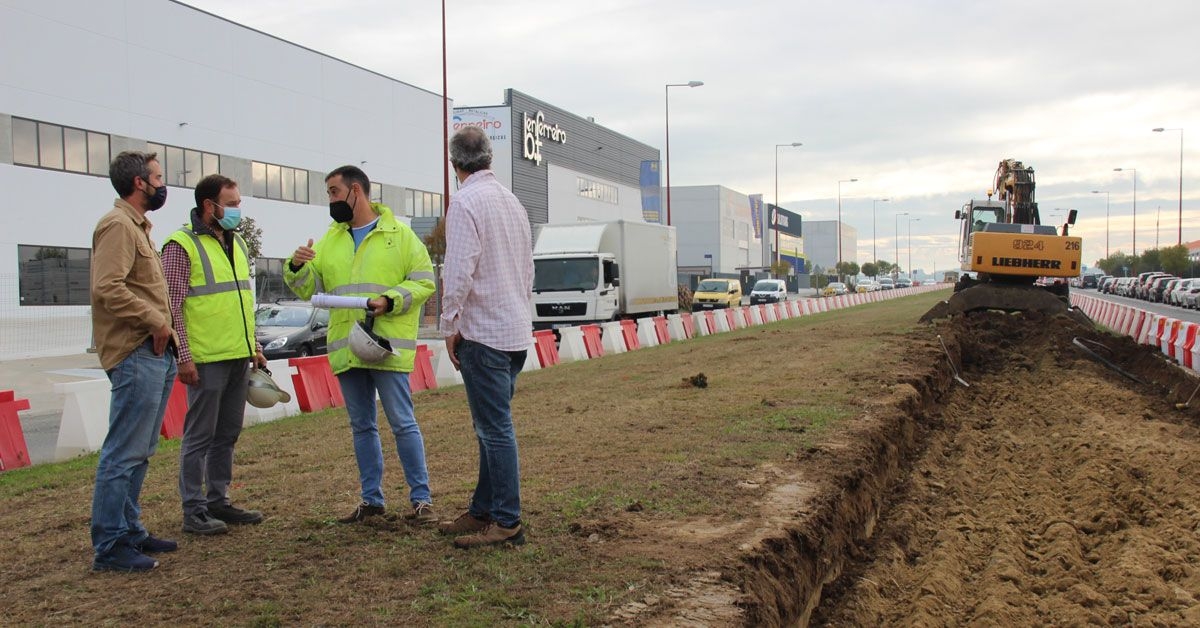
(291, 329)
(1105, 285)
(1141, 288)
(1156, 287)
(716, 293)
(904, 282)
(866, 285)
(1191, 296)
(835, 288)
(768, 291)
(886, 283)
(1175, 296)
(1089, 281)
(1126, 287)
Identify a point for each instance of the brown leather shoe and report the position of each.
(493, 534)
(422, 515)
(465, 523)
(363, 511)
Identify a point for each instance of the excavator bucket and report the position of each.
(1007, 298)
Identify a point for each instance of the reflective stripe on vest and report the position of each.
(398, 344)
(375, 289)
(211, 285)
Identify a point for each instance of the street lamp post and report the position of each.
(1180, 129)
(910, 266)
(897, 240)
(839, 225)
(1106, 199)
(667, 94)
(1134, 171)
(775, 219)
(874, 232)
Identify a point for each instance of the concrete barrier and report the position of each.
(571, 347)
(85, 417)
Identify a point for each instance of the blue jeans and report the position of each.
(358, 389)
(141, 385)
(490, 378)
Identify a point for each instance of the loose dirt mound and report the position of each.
(1053, 490)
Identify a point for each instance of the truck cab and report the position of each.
(573, 289)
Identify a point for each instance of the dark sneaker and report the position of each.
(154, 545)
(204, 524)
(422, 515)
(466, 523)
(124, 558)
(492, 534)
(233, 515)
(363, 511)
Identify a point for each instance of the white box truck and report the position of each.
(594, 272)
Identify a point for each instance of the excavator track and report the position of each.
(1007, 298)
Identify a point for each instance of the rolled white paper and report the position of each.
(332, 301)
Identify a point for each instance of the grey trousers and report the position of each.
(216, 407)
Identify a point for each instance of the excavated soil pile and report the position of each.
(1052, 490)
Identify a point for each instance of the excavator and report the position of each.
(1004, 244)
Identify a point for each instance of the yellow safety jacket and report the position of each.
(219, 309)
(391, 261)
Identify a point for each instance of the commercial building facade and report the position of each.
(821, 243)
(716, 229)
(209, 96)
(564, 167)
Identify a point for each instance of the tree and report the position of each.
(1150, 260)
(1174, 259)
(885, 267)
(847, 269)
(870, 269)
(252, 234)
(1116, 264)
(780, 269)
(436, 242)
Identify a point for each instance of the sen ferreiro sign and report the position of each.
(535, 130)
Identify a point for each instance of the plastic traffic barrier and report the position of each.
(177, 407)
(422, 376)
(591, 341)
(316, 386)
(14, 454)
(546, 349)
(629, 332)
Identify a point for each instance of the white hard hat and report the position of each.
(369, 346)
(263, 392)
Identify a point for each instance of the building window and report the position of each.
(418, 204)
(603, 192)
(268, 280)
(59, 147)
(376, 192)
(184, 167)
(279, 182)
(54, 275)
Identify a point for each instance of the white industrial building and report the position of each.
(84, 80)
(821, 243)
(716, 230)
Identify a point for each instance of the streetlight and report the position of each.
(775, 219)
(874, 232)
(667, 93)
(1180, 129)
(839, 229)
(1134, 171)
(897, 241)
(1106, 199)
(910, 266)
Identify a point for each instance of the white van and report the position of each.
(768, 291)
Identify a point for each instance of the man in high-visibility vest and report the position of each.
(208, 279)
(368, 253)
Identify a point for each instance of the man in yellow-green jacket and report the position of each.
(368, 253)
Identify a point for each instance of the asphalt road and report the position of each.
(1180, 313)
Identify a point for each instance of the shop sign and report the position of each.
(536, 130)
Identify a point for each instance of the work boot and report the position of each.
(422, 515)
(154, 545)
(203, 524)
(233, 515)
(492, 534)
(465, 523)
(363, 511)
(125, 559)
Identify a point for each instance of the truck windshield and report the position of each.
(565, 274)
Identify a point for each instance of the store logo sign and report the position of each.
(536, 130)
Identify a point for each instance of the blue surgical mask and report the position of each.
(233, 218)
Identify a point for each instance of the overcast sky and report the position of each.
(917, 99)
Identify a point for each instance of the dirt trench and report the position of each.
(1052, 490)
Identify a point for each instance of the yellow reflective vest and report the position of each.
(219, 309)
(391, 261)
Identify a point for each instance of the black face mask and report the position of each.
(341, 211)
(158, 199)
